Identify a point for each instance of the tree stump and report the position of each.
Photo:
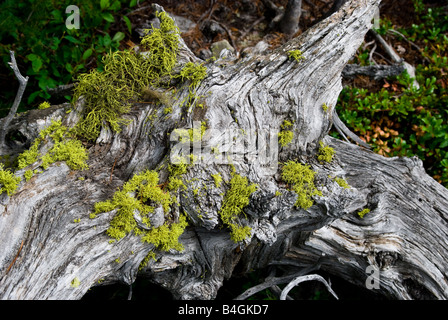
(52, 249)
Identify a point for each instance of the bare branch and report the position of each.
(23, 81)
(301, 279)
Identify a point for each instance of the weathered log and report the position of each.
(47, 253)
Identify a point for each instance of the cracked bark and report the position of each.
(404, 235)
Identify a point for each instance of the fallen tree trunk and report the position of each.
(52, 249)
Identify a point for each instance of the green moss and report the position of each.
(362, 213)
(218, 179)
(326, 153)
(342, 183)
(301, 179)
(149, 256)
(75, 283)
(194, 73)
(44, 105)
(296, 55)
(235, 199)
(8, 181)
(166, 237)
(28, 175)
(285, 136)
(162, 45)
(142, 193)
(325, 107)
(65, 148)
(239, 233)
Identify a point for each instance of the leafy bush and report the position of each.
(400, 120)
(47, 51)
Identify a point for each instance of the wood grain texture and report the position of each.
(404, 235)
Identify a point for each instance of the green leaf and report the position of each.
(87, 54)
(133, 3)
(32, 57)
(104, 4)
(128, 23)
(107, 40)
(72, 40)
(118, 36)
(37, 64)
(69, 67)
(108, 17)
(444, 144)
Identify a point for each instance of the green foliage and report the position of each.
(8, 181)
(301, 179)
(400, 120)
(51, 53)
(235, 199)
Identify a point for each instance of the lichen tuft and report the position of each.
(301, 179)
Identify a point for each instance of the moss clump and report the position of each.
(8, 181)
(342, 183)
(44, 105)
(285, 136)
(235, 199)
(75, 283)
(301, 179)
(326, 153)
(296, 55)
(218, 179)
(65, 148)
(194, 73)
(141, 194)
(362, 213)
(109, 94)
(28, 175)
(162, 45)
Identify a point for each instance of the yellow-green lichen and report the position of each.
(325, 107)
(218, 179)
(296, 55)
(44, 105)
(140, 194)
(75, 282)
(65, 148)
(301, 179)
(109, 94)
(326, 153)
(285, 136)
(235, 199)
(363, 212)
(28, 175)
(342, 182)
(8, 181)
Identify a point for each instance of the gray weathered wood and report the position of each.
(404, 235)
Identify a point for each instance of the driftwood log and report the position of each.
(403, 237)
